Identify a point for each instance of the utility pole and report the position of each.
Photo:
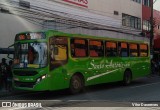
(152, 30)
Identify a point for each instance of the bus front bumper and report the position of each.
(41, 85)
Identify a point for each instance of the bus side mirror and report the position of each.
(10, 51)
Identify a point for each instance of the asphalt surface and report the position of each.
(143, 90)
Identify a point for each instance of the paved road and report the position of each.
(141, 90)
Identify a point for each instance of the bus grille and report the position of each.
(24, 84)
(25, 73)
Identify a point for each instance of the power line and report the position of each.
(71, 16)
(34, 13)
(42, 12)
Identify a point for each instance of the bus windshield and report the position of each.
(30, 55)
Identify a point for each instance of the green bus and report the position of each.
(52, 60)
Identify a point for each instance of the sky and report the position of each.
(157, 5)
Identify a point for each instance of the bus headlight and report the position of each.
(38, 80)
(41, 78)
(44, 76)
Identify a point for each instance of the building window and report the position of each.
(24, 4)
(146, 3)
(139, 23)
(116, 13)
(138, 1)
(131, 21)
(4, 10)
(146, 25)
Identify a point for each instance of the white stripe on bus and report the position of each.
(99, 75)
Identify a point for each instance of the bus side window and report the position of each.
(72, 49)
(143, 50)
(96, 48)
(111, 49)
(123, 49)
(79, 48)
(133, 50)
(58, 52)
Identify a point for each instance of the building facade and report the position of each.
(146, 28)
(157, 31)
(146, 17)
(117, 14)
(111, 18)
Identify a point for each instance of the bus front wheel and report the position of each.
(127, 77)
(76, 84)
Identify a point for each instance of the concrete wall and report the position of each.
(107, 7)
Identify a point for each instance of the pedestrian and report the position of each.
(159, 67)
(156, 66)
(9, 75)
(3, 73)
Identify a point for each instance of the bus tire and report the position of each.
(76, 84)
(127, 78)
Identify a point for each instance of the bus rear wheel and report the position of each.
(127, 77)
(76, 84)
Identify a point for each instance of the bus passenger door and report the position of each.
(57, 59)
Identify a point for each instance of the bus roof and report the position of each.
(51, 33)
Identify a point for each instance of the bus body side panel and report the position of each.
(58, 79)
(140, 67)
(104, 70)
(61, 76)
(98, 70)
